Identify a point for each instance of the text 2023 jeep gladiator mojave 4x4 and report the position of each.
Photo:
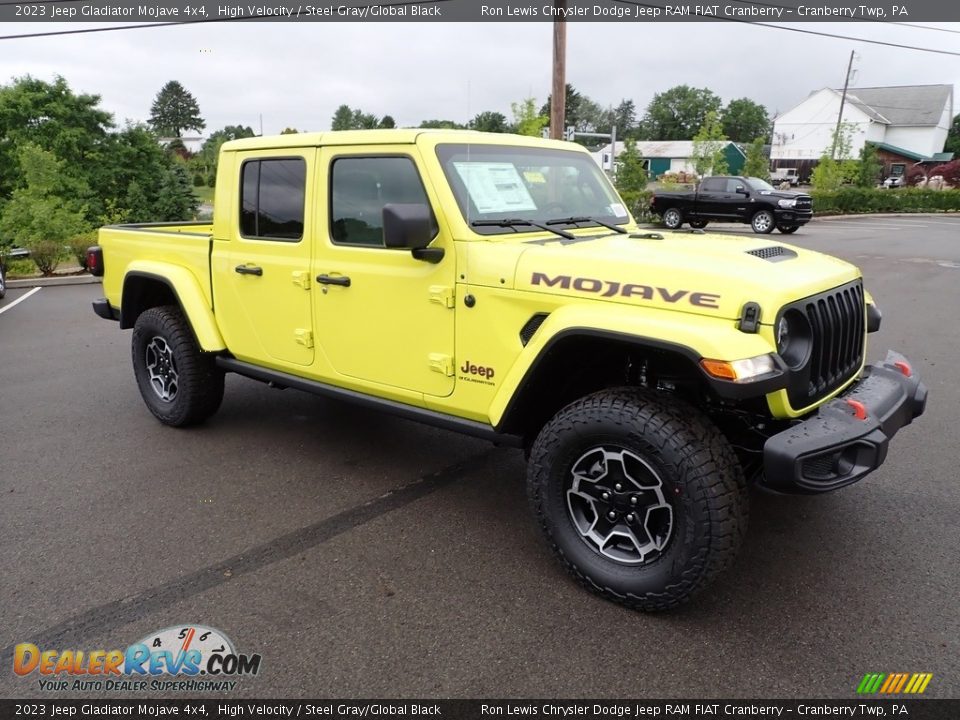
(496, 285)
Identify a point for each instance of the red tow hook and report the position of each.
(903, 367)
(859, 410)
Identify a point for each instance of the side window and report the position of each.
(360, 187)
(273, 193)
(733, 184)
(712, 185)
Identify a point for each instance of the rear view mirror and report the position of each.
(407, 225)
(411, 225)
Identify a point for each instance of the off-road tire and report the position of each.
(198, 389)
(763, 222)
(788, 229)
(701, 479)
(698, 224)
(673, 218)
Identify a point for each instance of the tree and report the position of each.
(744, 120)
(441, 125)
(289, 131)
(624, 116)
(43, 216)
(757, 163)
(948, 171)
(490, 121)
(953, 137)
(342, 118)
(708, 146)
(387, 122)
(356, 119)
(677, 113)
(175, 110)
(176, 200)
(526, 119)
(52, 117)
(870, 167)
(631, 174)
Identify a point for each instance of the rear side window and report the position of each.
(713, 185)
(360, 187)
(273, 193)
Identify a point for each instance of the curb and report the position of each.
(53, 281)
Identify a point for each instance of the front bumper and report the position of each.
(847, 437)
(792, 217)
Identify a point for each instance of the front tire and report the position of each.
(788, 229)
(673, 218)
(763, 222)
(179, 383)
(640, 496)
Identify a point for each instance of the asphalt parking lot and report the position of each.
(366, 556)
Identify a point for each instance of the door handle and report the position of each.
(249, 270)
(342, 280)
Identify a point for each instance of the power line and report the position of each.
(801, 30)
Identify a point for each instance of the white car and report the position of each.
(894, 181)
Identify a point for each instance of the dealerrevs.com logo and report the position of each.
(188, 658)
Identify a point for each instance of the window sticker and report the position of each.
(618, 210)
(495, 187)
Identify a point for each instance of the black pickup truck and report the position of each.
(734, 199)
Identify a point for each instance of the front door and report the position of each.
(381, 316)
(262, 288)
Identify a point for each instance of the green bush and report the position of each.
(20, 267)
(638, 203)
(199, 180)
(874, 200)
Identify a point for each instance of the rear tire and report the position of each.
(673, 218)
(763, 222)
(614, 457)
(180, 384)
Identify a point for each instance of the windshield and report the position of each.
(501, 182)
(759, 184)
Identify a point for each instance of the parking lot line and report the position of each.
(19, 300)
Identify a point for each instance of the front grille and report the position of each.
(836, 320)
(804, 203)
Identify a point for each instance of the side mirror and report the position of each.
(742, 190)
(411, 225)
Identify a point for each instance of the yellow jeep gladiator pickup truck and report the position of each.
(496, 285)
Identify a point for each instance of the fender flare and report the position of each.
(188, 293)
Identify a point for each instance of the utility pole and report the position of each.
(558, 98)
(843, 100)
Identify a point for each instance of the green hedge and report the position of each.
(638, 203)
(874, 200)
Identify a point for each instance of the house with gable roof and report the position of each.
(907, 124)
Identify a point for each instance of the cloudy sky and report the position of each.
(296, 74)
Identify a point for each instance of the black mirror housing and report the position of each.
(408, 225)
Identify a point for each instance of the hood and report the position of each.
(706, 274)
(783, 194)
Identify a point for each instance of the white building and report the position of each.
(663, 156)
(911, 118)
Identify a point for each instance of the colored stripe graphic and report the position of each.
(894, 683)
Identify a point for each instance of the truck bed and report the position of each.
(135, 247)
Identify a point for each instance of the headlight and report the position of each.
(787, 203)
(793, 337)
(740, 371)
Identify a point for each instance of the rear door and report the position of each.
(261, 272)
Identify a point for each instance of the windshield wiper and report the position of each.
(519, 222)
(583, 219)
